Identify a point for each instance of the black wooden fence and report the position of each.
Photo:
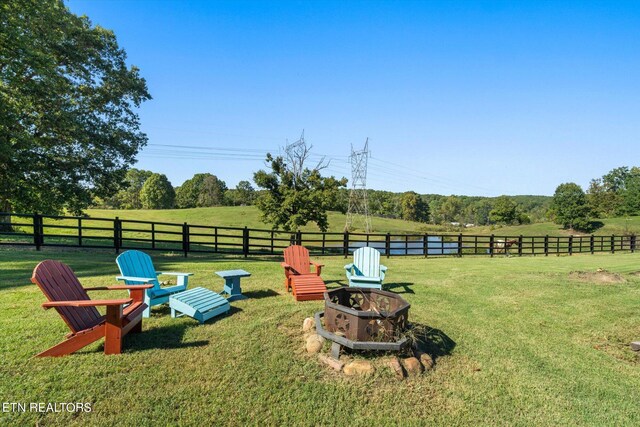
(121, 234)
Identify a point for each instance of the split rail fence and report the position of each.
(40, 231)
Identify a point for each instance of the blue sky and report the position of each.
(476, 98)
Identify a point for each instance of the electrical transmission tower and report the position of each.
(358, 213)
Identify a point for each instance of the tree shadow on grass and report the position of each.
(264, 293)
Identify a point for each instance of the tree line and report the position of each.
(143, 189)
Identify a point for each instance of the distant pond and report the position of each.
(435, 246)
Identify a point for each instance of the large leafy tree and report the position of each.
(203, 189)
(295, 194)
(631, 193)
(68, 125)
(211, 192)
(413, 208)
(129, 197)
(157, 193)
(243, 195)
(570, 208)
(504, 211)
(450, 208)
(602, 201)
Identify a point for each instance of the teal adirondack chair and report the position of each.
(136, 268)
(366, 270)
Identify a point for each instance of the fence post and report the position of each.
(298, 238)
(520, 245)
(79, 231)
(345, 244)
(37, 231)
(491, 245)
(185, 239)
(117, 244)
(546, 245)
(613, 243)
(425, 245)
(632, 243)
(245, 241)
(571, 244)
(272, 250)
(153, 235)
(387, 244)
(592, 244)
(460, 245)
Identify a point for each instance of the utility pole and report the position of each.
(358, 213)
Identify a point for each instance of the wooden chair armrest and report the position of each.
(383, 267)
(285, 265)
(87, 303)
(119, 287)
(348, 267)
(172, 273)
(136, 279)
(316, 264)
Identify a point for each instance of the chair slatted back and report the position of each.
(298, 258)
(59, 283)
(137, 264)
(367, 262)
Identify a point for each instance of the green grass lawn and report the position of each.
(533, 345)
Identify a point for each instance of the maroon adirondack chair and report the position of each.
(298, 276)
(64, 293)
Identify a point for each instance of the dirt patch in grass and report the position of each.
(598, 276)
(619, 348)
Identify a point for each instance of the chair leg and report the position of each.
(113, 330)
(74, 343)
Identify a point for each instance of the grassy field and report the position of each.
(241, 216)
(249, 216)
(531, 343)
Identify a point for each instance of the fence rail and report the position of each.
(121, 234)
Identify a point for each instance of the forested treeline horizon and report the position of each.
(616, 193)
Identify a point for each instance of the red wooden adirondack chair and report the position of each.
(298, 276)
(64, 293)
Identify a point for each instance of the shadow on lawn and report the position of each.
(166, 337)
(171, 336)
(404, 285)
(430, 340)
(264, 293)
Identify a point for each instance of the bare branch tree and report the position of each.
(296, 155)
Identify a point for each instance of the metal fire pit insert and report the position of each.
(363, 319)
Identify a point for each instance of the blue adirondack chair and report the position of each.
(136, 268)
(366, 270)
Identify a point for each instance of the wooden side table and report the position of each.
(232, 283)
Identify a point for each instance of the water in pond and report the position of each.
(435, 246)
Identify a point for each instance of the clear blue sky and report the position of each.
(476, 98)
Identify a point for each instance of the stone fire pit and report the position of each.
(363, 319)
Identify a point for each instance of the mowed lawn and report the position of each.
(529, 344)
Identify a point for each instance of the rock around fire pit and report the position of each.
(363, 319)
